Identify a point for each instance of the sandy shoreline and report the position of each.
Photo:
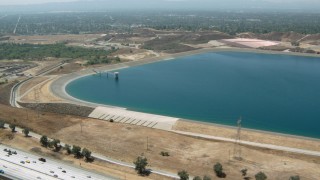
(250, 130)
(58, 86)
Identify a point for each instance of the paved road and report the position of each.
(27, 166)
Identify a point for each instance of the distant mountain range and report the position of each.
(104, 5)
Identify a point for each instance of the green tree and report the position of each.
(206, 177)
(44, 141)
(196, 178)
(218, 170)
(56, 144)
(183, 175)
(294, 178)
(260, 176)
(141, 164)
(87, 154)
(244, 172)
(76, 151)
(26, 132)
(12, 127)
(67, 147)
(2, 124)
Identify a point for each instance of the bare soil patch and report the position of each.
(248, 135)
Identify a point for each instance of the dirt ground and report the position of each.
(73, 66)
(197, 156)
(42, 86)
(31, 83)
(247, 135)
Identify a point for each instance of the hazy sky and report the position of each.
(90, 5)
(18, 2)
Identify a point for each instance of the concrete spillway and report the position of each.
(134, 118)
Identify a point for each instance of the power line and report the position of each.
(37, 99)
(237, 146)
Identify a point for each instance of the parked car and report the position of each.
(22, 162)
(42, 159)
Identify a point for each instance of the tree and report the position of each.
(67, 147)
(196, 178)
(260, 176)
(2, 124)
(206, 177)
(76, 151)
(12, 127)
(44, 141)
(183, 175)
(56, 144)
(294, 178)
(244, 172)
(87, 154)
(141, 164)
(26, 132)
(218, 170)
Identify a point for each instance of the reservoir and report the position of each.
(278, 93)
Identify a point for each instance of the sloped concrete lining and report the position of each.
(138, 118)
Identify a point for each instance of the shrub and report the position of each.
(219, 170)
(197, 178)
(244, 172)
(12, 127)
(164, 153)
(76, 151)
(183, 175)
(44, 141)
(294, 178)
(87, 154)
(260, 176)
(26, 132)
(2, 124)
(141, 164)
(67, 147)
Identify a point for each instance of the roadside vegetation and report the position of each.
(75, 150)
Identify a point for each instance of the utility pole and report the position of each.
(37, 99)
(147, 143)
(27, 115)
(237, 146)
(81, 126)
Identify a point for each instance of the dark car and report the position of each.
(42, 159)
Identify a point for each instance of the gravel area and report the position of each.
(61, 108)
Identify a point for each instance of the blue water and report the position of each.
(278, 93)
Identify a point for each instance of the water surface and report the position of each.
(278, 93)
